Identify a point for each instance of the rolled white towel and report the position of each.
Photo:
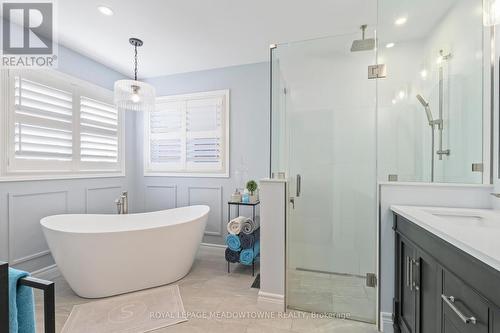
(248, 226)
(234, 226)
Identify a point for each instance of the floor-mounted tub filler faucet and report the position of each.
(122, 203)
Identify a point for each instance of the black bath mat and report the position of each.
(256, 282)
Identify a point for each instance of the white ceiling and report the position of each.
(423, 17)
(191, 35)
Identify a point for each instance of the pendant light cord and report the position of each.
(135, 62)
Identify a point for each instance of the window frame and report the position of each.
(78, 168)
(225, 137)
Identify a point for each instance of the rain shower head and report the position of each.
(427, 109)
(363, 44)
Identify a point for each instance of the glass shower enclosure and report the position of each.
(324, 141)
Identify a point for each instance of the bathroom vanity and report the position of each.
(447, 270)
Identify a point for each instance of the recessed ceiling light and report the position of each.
(401, 20)
(424, 73)
(105, 10)
(389, 45)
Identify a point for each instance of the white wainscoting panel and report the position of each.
(160, 197)
(26, 240)
(211, 196)
(101, 200)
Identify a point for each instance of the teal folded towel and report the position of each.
(233, 242)
(247, 256)
(21, 304)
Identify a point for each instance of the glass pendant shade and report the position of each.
(134, 95)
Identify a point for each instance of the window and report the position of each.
(56, 125)
(188, 135)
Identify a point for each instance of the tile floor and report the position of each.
(313, 291)
(209, 288)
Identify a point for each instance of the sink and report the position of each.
(476, 231)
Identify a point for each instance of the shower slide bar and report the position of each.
(444, 58)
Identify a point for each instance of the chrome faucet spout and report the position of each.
(122, 203)
(124, 198)
(118, 204)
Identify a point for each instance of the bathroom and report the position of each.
(369, 129)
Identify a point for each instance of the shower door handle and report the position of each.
(299, 180)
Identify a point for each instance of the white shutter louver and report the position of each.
(204, 133)
(42, 121)
(166, 123)
(188, 135)
(98, 131)
(59, 126)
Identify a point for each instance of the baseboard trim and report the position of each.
(270, 301)
(47, 273)
(387, 322)
(213, 245)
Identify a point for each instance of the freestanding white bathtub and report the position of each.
(104, 255)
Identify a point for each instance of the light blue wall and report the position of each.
(74, 64)
(249, 143)
(22, 204)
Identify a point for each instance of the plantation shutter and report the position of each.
(166, 136)
(58, 125)
(42, 121)
(188, 135)
(204, 134)
(98, 131)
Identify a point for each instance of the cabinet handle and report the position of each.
(414, 283)
(411, 274)
(450, 300)
(407, 263)
(299, 185)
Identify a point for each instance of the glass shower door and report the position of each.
(329, 108)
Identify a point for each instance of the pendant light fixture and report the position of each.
(132, 94)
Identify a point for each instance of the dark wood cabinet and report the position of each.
(408, 300)
(427, 277)
(439, 288)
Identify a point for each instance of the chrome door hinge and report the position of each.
(377, 71)
(371, 280)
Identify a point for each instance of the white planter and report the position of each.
(254, 197)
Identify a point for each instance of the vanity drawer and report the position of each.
(462, 308)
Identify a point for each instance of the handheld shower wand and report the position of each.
(428, 112)
(432, 122)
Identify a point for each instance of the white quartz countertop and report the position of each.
(474, 231)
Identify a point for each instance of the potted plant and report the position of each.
(252, 188)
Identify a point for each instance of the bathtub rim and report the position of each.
(46, 220)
